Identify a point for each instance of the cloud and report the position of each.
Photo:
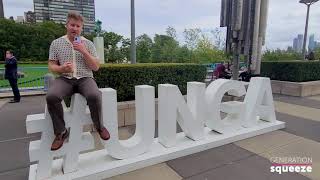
(287, 20)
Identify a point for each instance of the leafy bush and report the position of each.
(124, 77)
(280, 55)
(294, 71)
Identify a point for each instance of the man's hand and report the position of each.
(67, 67)
(80, 47)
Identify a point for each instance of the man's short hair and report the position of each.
(10, 51)
(74, 15)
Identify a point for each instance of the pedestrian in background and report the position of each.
(11, 73)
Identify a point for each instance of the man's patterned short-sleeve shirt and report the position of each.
(61, 50)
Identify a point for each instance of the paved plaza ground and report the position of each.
(247, 159)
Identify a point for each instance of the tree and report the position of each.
(29, 41)
(171, 32)
(280, 55)
(183, 54)
(317, 53)
(206, 51)
(191, 37)
(111, 42)
(144, 46)
(125, 50)
(218, 38)
(164, 48)
(157, 48)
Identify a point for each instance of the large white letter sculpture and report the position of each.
(254, 116)
(76, 118)
(259, 102)
(214, 95)
(145, 123)
(173, 108)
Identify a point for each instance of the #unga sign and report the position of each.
(198, 116)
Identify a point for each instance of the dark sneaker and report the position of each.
(58, 140)
(14, 101)
(104, 133)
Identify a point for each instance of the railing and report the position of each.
(30, 78)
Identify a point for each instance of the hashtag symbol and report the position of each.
(75, 117)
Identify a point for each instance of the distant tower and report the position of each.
(312, 43)
(300, 42)
(295, 45)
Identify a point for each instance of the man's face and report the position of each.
(8, 54)
(74, 28)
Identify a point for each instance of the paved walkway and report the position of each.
(247, 159)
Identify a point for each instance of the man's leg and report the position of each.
(59, 89)
(14, 85)
(89, 89)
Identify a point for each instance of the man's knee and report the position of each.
(53, 98)
(94, 97)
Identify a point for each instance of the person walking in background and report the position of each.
(11, 73)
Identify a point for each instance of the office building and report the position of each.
(20, 19)
(57, 10)
(298, 43)
(295, 44)
(30, 17)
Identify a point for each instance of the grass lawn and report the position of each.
(31, 73)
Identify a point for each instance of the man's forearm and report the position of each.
(91, 61)
(55, 68)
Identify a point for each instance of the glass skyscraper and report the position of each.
(57, 10)
(312, 43)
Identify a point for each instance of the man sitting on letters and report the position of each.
(74, 58)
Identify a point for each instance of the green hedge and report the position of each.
(124, 78)
(294, 71)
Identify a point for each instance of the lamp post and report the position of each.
(308, 3)
(133, 35)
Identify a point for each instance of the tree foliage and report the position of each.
(31, 42)
(280, 55)
(144, 48)
(317, 53)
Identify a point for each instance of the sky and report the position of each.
(285, 21)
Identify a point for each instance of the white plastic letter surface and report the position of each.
(78, 141)
(234, 109)
(259, 102)
(143, 138)
(202, 106)
(173, 108)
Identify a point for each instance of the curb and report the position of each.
(23, 94)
